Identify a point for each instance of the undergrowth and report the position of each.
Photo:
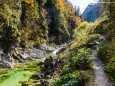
(106, 53)
(77, 70)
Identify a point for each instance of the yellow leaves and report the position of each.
(26, 34)
(39, 40)
(60, 5)
(29, 1)
(77, 21)
(44, 11)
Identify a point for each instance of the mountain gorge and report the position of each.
(31, 23)
(48, 43)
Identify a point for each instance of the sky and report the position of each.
(82, 3)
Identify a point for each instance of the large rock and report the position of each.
(38, 75)
(29, 53)
(48, 63)
(25, 56)
(5, 62)
(46, 47)
(97, 41)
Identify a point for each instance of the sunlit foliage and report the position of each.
(60, 5)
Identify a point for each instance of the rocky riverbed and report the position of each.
(28, 54)
(39, 66)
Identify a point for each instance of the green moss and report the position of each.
(20, 74)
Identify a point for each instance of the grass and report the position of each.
(15, 78)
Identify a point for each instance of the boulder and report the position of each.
(67, 85)
(6, 62)
(97, 41)
(25, 56)
(46, 47)
(48, 62)
(38, 75)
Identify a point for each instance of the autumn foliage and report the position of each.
(41, 21)
(29, 1)
(60, 5)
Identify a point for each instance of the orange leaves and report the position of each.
(60, 5)
(29, 1)
(69, 10)
(69, 7)
(78, 21)
(26, 33)
(44, 11)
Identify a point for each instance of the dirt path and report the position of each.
(100, 76)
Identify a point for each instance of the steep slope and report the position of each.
(92, 12)
(31, 23)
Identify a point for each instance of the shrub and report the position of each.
(107, 54)
(83, 34)
(107, 51)
(76, 78)
(110, 69)
(83, 60)
(105, 26)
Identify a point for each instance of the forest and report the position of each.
(50, 43)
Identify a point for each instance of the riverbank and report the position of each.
(27, 54)
(22, 72)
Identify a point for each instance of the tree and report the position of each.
(108, 10)
(77, 11)
(10, 35)
(60, 5)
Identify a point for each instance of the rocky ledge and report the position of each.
(24, 55)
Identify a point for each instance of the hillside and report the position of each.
(31, 23)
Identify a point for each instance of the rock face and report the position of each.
(25, 55)
(92, 12)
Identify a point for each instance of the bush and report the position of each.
(83, 34)
(104, 25)
(107, 51)
(83, 60)
(110, 69)
(76, 78)
(107, 54)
